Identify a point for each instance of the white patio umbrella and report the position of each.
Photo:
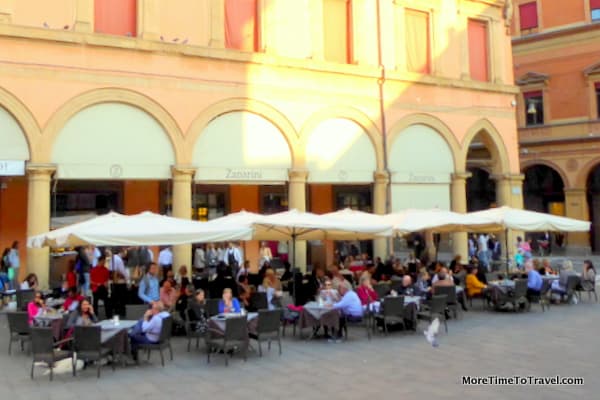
(59, 237)
(505, 218)
(530, 221)
(150, 229)
(241, 218)
(436, 220)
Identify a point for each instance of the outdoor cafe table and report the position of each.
(53, 320)
(218, 321)
(115, 335)
(314, 315)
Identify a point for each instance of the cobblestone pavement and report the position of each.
(561, 341)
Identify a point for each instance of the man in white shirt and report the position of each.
(483, 250)
(165, 260)
(117, 267)
(233, 258)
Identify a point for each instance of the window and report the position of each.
(209, 202)
(337, 31)
(116, 17)
(478, 50)
(595, 9)
(534, 108)
(417, 41)
(241, 25)
(528, 16)
(273, 199)
(597, 88)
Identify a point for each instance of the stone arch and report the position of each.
(585, 171)
(493, 142)
(113, 95)
(550, 164)
(245, 105)
(432, 122)
(25, 119)
(351, 114)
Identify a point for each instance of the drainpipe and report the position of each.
(380, 84)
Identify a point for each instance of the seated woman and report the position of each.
(588, 278)
(268, 287)
(367, 295)
(184, 300)
(422, 286)
(168, 295)
(181, 278)
(473, 285)
(245, 290)
(196, 312)
(228, 303)
(560, 285)
(84, 315)
(30, 282)
(328, 294)
(36, 307)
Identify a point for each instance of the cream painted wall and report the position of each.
(193, 24)
(56, 13)
(113, 141)
(13, 145)
(286, 27)
(420, 196)
(339, 150)
(241, 147)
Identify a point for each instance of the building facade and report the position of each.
(205, 107)
(556, 50)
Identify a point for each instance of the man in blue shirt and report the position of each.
(349, 306)
(534, 280)
(148, 329)
(149, 290)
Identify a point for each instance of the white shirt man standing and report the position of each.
(165, 260)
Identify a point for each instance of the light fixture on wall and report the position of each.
(531, 109)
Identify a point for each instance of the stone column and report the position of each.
(148, 19)
(509, 192)
(576, 206)
(38, 218)
(84, 16)
(380, 189)
(297, 200)
(182, 206)
(6, 11)
(460, 244)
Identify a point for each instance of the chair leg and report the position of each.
(189, 343)
(51, 372)
(259, 348)
(170, 352)
(279, 344)
(283, 328)
(162, 357)
(32, 366)
(147, 355)
(294, 330)
(197, 342)
(226, 358)
(10, 340)
(208, 350)
(98, 369)
(269, 345)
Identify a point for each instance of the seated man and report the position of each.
(560, 285)
(407, 288)
(73, 299)
(349, 306)
(473, 285)
(444, 278)
(534, 280)
(147, 330)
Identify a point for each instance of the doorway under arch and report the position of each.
(543, 190)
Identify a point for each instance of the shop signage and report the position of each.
(420, 178)
(12, 167)
(243, 174)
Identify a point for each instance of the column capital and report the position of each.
(508, 177)
(461, 176)
(179, 170)
(381, 177)
(298, 175)
(41, 169)
(576, 191)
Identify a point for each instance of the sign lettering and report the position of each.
(12, 168)
(243, 174)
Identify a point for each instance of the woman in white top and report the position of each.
(30, 282)
(265, 254)
(199, 258)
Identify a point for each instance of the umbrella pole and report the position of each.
(294, 288)
(507, 252)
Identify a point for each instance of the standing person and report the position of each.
(83, 266)
(133, 260)
(165, 260)
(96, 253)
(14, 262)
(199, 259)
(483, 250)
(233, 258)
(472, 246)
(5, 281)
(149, 290)
(212, 259)
(534, 281)
(99, 279)
(264, 253)
(120, 276)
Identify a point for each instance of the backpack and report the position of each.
(5, 263)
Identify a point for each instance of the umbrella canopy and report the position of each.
(58, 237)
(241, 218)
(295, 224)
(148, 229)
(437, 220)
(529, 221)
